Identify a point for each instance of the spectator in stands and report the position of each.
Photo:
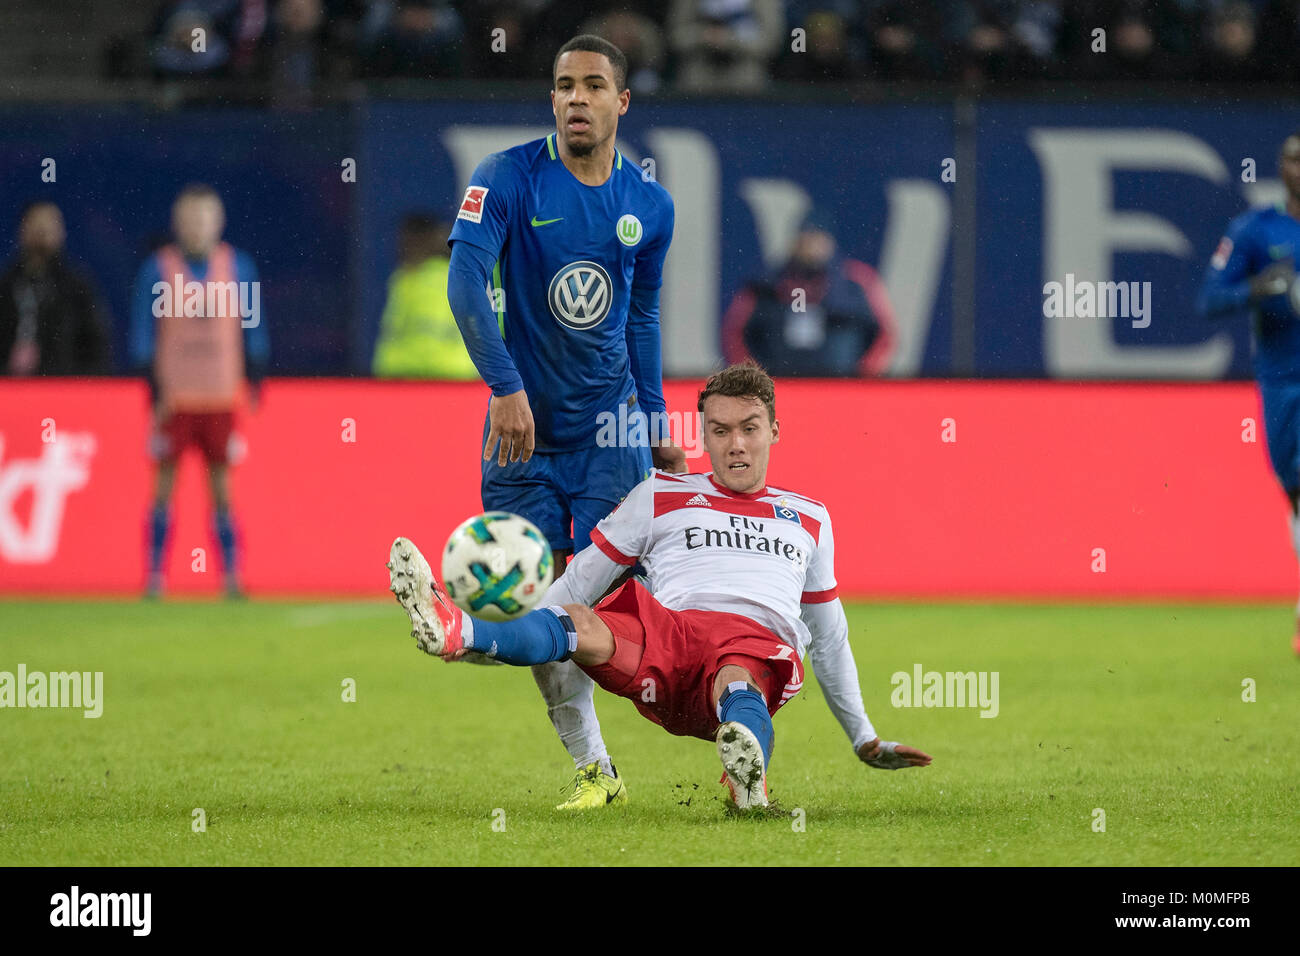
(193, 37)
(981, 38)
(1145, 39)
(416, 38)
(905, 39)
(1038, 29)
(418, 337)
(725, 46)
(820, 314)
(296, 52)
(641, 41)
(1231, 54)
(832, 46)
(51, 321)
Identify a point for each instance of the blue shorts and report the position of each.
(1282, 428)
(558, 489)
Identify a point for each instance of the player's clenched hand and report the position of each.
(668, 457)
(891, 755)
(511, 422)
(1274, 280)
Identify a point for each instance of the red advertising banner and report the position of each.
(943, 489)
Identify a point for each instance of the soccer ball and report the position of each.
(496, 566)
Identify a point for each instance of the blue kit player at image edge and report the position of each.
(575, 324)
(1256, 242)
(1253, 268)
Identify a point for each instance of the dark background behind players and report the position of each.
(51, 320)
(311, 57)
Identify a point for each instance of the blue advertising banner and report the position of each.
(1092, 223)
(1137, 196)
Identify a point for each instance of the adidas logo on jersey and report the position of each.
(700, 500)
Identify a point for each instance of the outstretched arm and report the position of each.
(837, 673)
(617, 542)
(586, 578)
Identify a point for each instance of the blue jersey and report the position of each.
(571, 260)
(1254, 241)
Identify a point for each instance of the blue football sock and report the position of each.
(745, 706)
(229, 541)
(159, 525)
(544, 635)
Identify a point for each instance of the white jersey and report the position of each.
(705, 547)
(768, 556)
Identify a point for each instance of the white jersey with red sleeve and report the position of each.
(761, 555)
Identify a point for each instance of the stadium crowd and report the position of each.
(296, 47)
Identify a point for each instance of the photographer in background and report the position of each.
(819, 315)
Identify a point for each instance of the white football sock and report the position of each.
(570, 700)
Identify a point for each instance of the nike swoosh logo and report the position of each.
(545, 222)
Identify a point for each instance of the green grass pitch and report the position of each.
(238, 709)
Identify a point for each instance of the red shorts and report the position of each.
(210, 432)
(665, 661)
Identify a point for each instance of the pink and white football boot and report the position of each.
(435, 621)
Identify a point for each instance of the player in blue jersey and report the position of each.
(556, 264)
(1254, 267)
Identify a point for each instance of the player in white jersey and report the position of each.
(743, 584)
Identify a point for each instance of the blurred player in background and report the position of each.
(199, 345)
(1254, 267)
(570, 238)
(743, 582)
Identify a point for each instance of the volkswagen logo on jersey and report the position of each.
(580, 295)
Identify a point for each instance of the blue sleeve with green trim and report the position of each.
(467, 293)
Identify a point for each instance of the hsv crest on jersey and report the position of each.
(581, 295)
(471, 207)
(789, 514)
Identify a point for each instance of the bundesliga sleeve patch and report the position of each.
(471, 207)
(1222, 253)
